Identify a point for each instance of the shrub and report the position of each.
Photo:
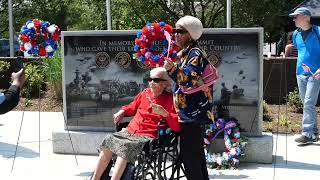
(266, 116)
(295, 102)
(34, 81)
(53, 70)
(4, 67)
(284, 120)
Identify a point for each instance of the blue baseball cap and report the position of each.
(301, 10)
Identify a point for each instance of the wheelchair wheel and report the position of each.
(169, 162)
(145, 168)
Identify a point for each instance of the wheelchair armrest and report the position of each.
(121, 125)
(162, 127)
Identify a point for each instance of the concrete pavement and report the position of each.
(35, 160)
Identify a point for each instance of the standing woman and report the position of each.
(193, 109)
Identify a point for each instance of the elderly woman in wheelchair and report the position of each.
(148, 108)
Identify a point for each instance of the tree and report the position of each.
(54, 11)
(269, 14)
(132, 14)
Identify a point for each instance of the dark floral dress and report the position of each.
(195, 107)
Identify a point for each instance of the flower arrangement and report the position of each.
(153, 55)
(39, 38)
(233, 142)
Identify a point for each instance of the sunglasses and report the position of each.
(295, 17)
(180, 31)
(156, 80)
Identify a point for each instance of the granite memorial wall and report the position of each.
(100, 75)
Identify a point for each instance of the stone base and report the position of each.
(84, 142)
(258, 149)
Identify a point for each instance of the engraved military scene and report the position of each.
(99, 82)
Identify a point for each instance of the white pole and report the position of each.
(108, 9)
(228, 13)
(10, 28)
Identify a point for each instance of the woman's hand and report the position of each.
(316, 75)
(306, 68)
(18, 78)
(158, 109)
(168, 64)
(118, 117)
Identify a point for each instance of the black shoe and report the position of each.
(305, 139)
(316, 138)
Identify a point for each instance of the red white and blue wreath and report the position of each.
(233, 142)
(146, 50)
(39, 38)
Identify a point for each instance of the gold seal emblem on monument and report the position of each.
(102, 59)
(214, 58)
(123, 59)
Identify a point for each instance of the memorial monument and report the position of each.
(100, 75)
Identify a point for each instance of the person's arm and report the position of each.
(171, 68)
(288, 50)
(11, 100)
(172, 120)
(18, 78)
(12, 95)
(131, 109)
(127, 110)
(317, 75)
(170, 115)
(191, 71)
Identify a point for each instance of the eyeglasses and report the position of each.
(156, 80)
(180, 31)
(295, 17)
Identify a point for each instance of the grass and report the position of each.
(284, 119)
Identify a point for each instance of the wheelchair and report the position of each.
(159, 159)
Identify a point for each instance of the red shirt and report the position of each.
(144, 121)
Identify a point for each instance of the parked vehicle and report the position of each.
(5, 48)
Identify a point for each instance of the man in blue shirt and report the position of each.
(306, 39)
(10, 98)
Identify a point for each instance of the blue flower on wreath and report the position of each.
(145, 44)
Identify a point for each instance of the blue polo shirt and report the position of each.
(308, 50)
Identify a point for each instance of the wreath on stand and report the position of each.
(234, 143)
(39, 38)
(155, 42)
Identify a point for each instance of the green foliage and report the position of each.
(55, 11)
(53, 73)
(4, 67)
(134, 14)
(87, 15)
(211, 13)
(34, 81)
(269, 14)
(266, 116)
(294, 101)
(269, 126)
(284, 120)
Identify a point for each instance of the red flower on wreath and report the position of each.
(154, 43)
